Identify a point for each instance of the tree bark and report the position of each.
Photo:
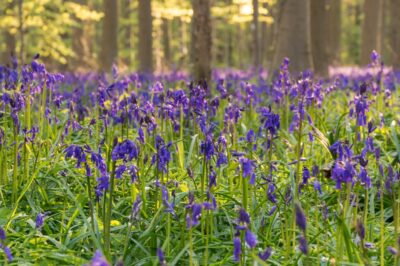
(145, 37)
(333, 30)
(394, 30)
(201, 40)
(256, 40)
(293, 40)
(371, 29)
(109, 45)
(318, 37)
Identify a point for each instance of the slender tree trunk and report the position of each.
(371, 29)
(21, 32)
(240, 45)
(230, 47)
(109, 45)
(166, 42)
(201, 39)
(145, 37)
(9, 40)
(126, 11)
(394, 30)
(318, 37)
(81, 43)
(293, 40)
(256, 40)
(333, 30)
(183, 44)
(264, 43)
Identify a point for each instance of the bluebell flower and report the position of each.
(271, 192)
(250, 238)
(133, 171)
(125, 150)
(270, 121)
(303, 245)
(207, 147)
(374, 57)
(169, 206)
(161, 257)
(306, 175)
(103, 184)
(163, 156)
(360, 229)
(136, 207)
(237, 249)
(273, 209)
(248, 168)
(40, 220)
(212, 178)
(7, 251)
(141, 135)
(317, 186)
(77, 152)
(98, 259)
(265, 254)
(194, 218)
(2, 234)
(210, 205)
(300, 217)
(392, 251)
(251, 136)
(120, 171)
(364, 178)
(99, 161)
(244, 217)
(221, 142)
(221, 159)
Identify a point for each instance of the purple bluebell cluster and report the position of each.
(261, 165)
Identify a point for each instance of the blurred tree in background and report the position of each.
(158, 35)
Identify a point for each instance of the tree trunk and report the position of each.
(9, 40)
(229, 44)
(81, 43)
(318, 37)
(145, 37)
(264, 43)
(394, 31)
(109, 45)
(371, 30)
(333, 30)
(293, 39)
(183, 44)
(256, 41)
(21, 32)
(166, 42)
(126, 11)
(201, 40)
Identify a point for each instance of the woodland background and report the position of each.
(174, 35)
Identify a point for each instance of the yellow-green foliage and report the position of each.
(46, 23)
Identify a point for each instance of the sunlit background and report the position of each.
(68, 34)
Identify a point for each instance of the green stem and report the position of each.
(15, 182)
(107, 225)
(382, 244)
(190, 246)
(91, 208)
